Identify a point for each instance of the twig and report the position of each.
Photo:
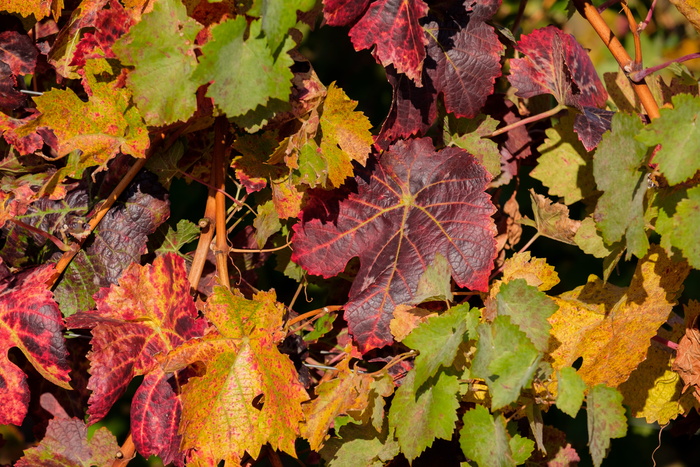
(263, 250)
(519, 16)
(398, 359)
(637, 63)
(308, 314)
(61, 246)
(590, 13)
(205, 238)
(219, 170)
(640, 75)
(665, 342)
(643, 25)
(525, 121)
(126, 453)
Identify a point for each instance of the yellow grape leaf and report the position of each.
(662, 400)
(406, 319)
(535, 271)
(348, 393)
(250, 394)
(102, 127)
(39, 8)
(610, 326)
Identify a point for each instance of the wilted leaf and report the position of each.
(414, 196)
(250, 394)
(66, 442)
(552, 219)
(606, 420)
(556, 64)
(591, 124)
(31, 321)
(677, 131)
(609, 326)
(161, 50)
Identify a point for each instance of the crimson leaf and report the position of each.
(414, 204)
(31, 321)
(462, 64)
(556, 64)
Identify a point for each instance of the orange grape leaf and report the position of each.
(250, 394)
(610, 326)
(102, 127)
(31, 321)
(535, 271)
(662, 400)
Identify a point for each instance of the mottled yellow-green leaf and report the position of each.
(606, 420)
(610, 326)
(535, 271)
(39, 8)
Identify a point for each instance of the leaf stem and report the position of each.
(590, 13)
(394, 361)
(525, 121)
(219, 171)
(667, 343)
(126, 453)
(308, 314)
(640, 75)
(62, 246)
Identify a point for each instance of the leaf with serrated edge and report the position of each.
(535, 271)
(484, 439)
(421, 415)
(618, 167)
(610, 326)
(564, 165)
(241, 68)
(66, 442)
(361, 445)
(528, 308)
(416, 203)
(606, 420)
(506, 359)
(31, 321)
(570, 391)
(250, 394)
(438, 339)
(161, 49)
(680, 229)
(678, 132)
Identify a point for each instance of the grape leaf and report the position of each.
(438, 339)
(250, 394)
(679, 229)
(66, 442)
(278, 17)
(570, 391)
(468, 134)
(535, 271)
(392, 27)
(31, 321)
(422, 414)
(417, 202)
(606, 420)
(528, 308)
(506, 359)
(484, 439)
(17, 57)
(609, 326)
(110, 25)
(148, 314)
(361, 445)
(462, 64)
(241, 68)
(591, 124)
(618, 167)
(556, 64)
(185, 232)
(564, 165)
(161, 50)
(677, 132)
(102, 127)
(39, 8)
(551, 219)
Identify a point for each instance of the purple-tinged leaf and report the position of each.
(591, 124)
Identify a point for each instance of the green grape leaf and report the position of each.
(420, 417)
(677, 130)
(606, 420)
(161, 49)
(529, 309)
(570, 391)
(360, 445)
(438, 339)
(679, 229)
(467, 133)
(484, 440)
(279, 16)
(589, 240)
(506, 359)
(564, 165)
(174, 240)
(618, 167)
(241, 68)
(266, 223)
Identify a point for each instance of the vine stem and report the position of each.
(309, 314)
(636, 76)
(525, 121)
(219, 169)
(126, 453)
(590, 13)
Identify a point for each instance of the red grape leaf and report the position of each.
(66, 442)
(343, 12)
(415, 203)
(19, 52)
(31, 321)
(591, 124)
(110, 25)
(150, 313)
(462, 64)
(250, 394)
(392, 27)
(556, 64)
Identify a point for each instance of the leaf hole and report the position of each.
(258, 401)
(577, 364)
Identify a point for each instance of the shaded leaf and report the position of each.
(552, 219)
(556, 64)
(610, 326)
(31, 321)
(66, 442)
(606, 420)
(361, 445)
(414, 196)
(677, 225)
(591, 124)
(161, 50)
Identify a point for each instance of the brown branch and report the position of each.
(525, 121)
(590, 13)
(205, 238)
(219, 169)
(309, 314)
(126, 453)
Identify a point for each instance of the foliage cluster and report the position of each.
(336, 294)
